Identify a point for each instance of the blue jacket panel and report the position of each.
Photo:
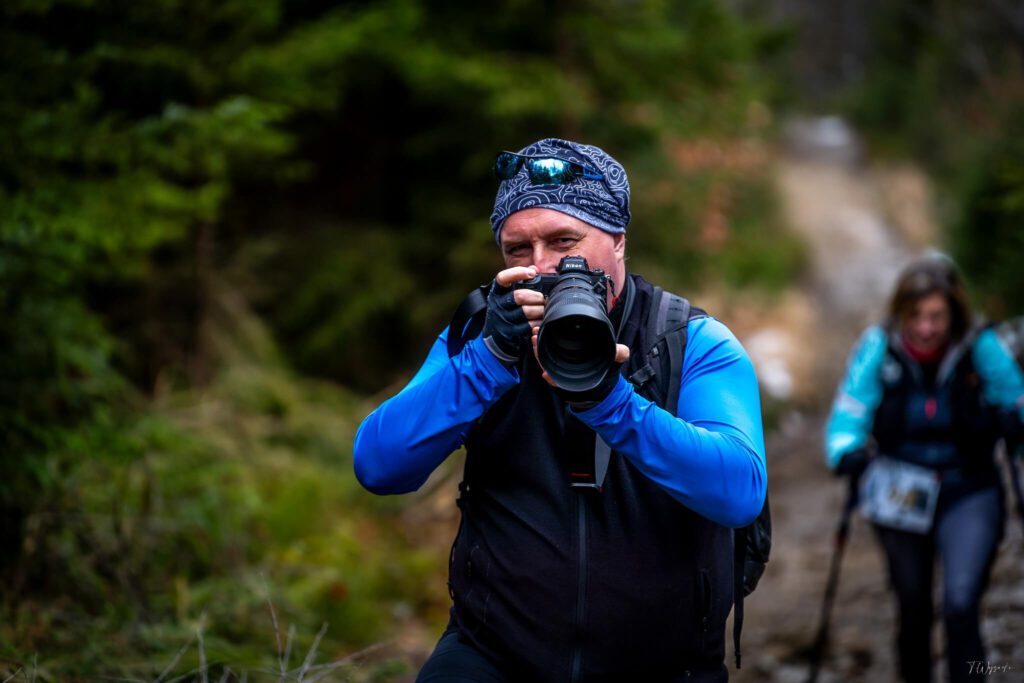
(400, 443)
(710, 456)
(860, 392)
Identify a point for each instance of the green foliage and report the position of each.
(116, 140)
(165, 166)
(397, 207)
(714, 225)
(237, 499)
(989, 239)
(945, 85)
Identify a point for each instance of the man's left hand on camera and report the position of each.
(512, 314)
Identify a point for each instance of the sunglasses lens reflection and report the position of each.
(541, 170)
(507, 165)
(550, 171)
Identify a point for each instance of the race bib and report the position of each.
(899, 495)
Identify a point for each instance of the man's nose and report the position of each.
(545, 260)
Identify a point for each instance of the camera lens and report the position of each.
(576, 345)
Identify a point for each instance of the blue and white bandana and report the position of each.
(601, 203)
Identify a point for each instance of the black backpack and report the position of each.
(659, 380)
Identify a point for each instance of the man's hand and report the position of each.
(582, 400)
(511, 314)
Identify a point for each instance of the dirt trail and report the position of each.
(861, 225)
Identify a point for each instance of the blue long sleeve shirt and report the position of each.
(860, 392)
(710, 456)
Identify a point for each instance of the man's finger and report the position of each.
(544, 373)
(533, 312)
(506, 277)
(533, 340)
(528, 297)
(621, 353)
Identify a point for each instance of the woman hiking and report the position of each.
(926, 396)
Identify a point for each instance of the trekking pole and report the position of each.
(817, 653)
(1011, 464)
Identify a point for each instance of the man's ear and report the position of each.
(620, 245)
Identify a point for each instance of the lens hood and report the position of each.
(576, 342)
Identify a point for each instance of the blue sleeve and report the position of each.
(1002, 379)
(709, 457)
(858, 397)
(400, 443)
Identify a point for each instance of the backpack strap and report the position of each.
(468, 319)
(752, 545)
(666, 335)
(739, 555)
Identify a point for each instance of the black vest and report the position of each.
(945, 423)
(559, 584)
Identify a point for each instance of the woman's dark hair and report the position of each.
(933, 274)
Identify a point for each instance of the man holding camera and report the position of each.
(596, 540)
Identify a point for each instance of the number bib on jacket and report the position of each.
(899, 495)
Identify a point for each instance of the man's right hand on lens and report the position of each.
(512, 314)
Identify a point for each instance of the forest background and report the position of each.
(227, 230)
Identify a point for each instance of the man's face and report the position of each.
(542, 237)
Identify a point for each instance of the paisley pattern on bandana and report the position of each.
(601, 203)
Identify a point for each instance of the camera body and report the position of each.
(576, 341)
(570, 267)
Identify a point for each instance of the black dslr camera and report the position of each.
(576, 343)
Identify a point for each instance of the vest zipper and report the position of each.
(705, 607)
(581, 588)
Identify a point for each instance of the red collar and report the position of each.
(924, 355)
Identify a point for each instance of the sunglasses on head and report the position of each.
(543, 170)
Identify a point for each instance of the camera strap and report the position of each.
(467, 321)
(585, 477)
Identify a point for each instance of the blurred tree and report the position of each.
(400, 129)
(945, 84)
(331, 161)
(332, 156)
(989, 235)
(119, 132)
